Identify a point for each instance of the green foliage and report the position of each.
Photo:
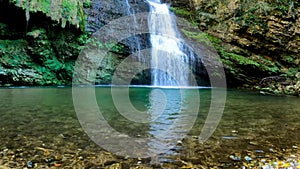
(238, 59)
(291, 72)
(42, 67)
(68, 67)
(202, 37)
(13, 52)
(187, 14)
(53, 64)
(84, 38)
(117, 48)
(93, 42)
(4, 29)
(87, 3)
(269, 66)
(252, 14)
(230, 58)
(282, 8)
(253, 18)
(259, 62)
(181, 12)
(288, 59)
(285, 7)
(61, 11)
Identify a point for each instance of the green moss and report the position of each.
(270, 67)
(253, 20)
(238, 59)
(184, 13)
(288, 59)
(292, 72)
(233, 58)
(13, 52)
(202, 37)
(38, 61)
(61, 11)
(181, 12)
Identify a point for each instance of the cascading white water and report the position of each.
(136, 46)
(167, 54)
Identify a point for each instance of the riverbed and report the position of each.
(40, 128)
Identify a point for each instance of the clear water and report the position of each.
(45, 117)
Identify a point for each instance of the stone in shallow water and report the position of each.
(235, 158)
(30, 164)
(259, 151)
(247, 158)
(229, 137)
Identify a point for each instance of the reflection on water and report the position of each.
(154, 119)
(45, 117)
(173, 113)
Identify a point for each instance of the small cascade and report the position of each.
(168, 56)
(135, 43)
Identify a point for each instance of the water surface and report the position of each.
(34, 120)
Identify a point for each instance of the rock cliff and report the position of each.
(255, 39)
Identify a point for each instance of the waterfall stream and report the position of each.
(136, 47)
(170, 59)
(169, 62)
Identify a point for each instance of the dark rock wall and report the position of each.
(41, 52)
(102, 12)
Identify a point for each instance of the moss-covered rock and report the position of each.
(44, 54)
(41, 40)
(34, 61)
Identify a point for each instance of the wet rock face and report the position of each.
(102, 12)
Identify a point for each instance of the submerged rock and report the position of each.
(30, 164)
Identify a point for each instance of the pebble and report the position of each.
(259, 151)
(48, 160)
(30, 164)
(293, 156)
(229, 137)
(235, 158)
(179, 142)
(247, 158)
(57, 165)
(253, 143)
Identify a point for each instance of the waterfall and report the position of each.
(136, 44)
(167, 51)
